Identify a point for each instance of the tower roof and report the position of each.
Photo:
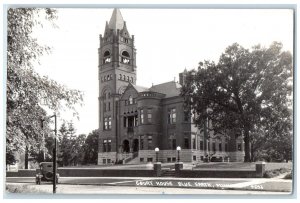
(116, 20)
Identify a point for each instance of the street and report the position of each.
(166, 184)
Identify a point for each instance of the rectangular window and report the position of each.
(214, 146)
(104, 107)
(220, 146)
(141, 159)
(104, 161)
(169, 159)
(108, 106)
(201, 145)
(201, 157)
(104, 145)
(172, 116)
(193, 142)
(186, 143)
(108, 145)
(226, 147)
(105, 123)
(194, 158)
(186, 117)
(109, 122)
(125, 122)
(142, 142)
(173, 159)
(142, 116)
(150, 144)
(149, 115)
(149, 159)
(108, 161)
(136, 120)
(208, 145)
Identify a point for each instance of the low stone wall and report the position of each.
(21, 173)
(217, 174)
(74, 172)
(105, 173)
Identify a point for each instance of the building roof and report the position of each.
(139, 88)
(116, 20)
(170, 89)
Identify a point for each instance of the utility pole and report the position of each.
(54, 150)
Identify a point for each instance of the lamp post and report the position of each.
(156, 151)
(178, 150)
(54, 150)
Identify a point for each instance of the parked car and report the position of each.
(45, 173)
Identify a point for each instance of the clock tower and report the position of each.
(117, 68)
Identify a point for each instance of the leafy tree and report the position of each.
(28, 93)
(77, 152)
(245, 91)
(71, 146)
(91, 148)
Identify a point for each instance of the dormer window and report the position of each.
(125, 58)
(130, 99)
(106, 57)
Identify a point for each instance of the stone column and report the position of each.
(157, 169)
(178, 167)
(260, 169)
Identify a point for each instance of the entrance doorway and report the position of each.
(135, 145)
(126, 147)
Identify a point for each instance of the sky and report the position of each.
(167, 42)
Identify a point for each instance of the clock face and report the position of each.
(122, 89)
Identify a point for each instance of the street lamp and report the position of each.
(178, 150)
(54, 149)
(156, 151)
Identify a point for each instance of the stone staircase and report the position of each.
(132, 160)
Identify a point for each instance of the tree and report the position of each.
(70, 146)
(91, 148)
(28, 93)
(245, 91)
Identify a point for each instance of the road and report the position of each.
(169, 183)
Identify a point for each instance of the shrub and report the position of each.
(289, 176)
(275, 172)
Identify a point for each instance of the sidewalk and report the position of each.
(44, 191)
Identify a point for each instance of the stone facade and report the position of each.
(134, 120)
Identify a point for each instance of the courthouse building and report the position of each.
(134, 120)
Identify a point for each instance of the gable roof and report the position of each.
(140, 88)
(170, 89)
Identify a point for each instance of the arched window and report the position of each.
(125, 53)
(125, 57)
(106, 57)
(130, 99)
(106, 94)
